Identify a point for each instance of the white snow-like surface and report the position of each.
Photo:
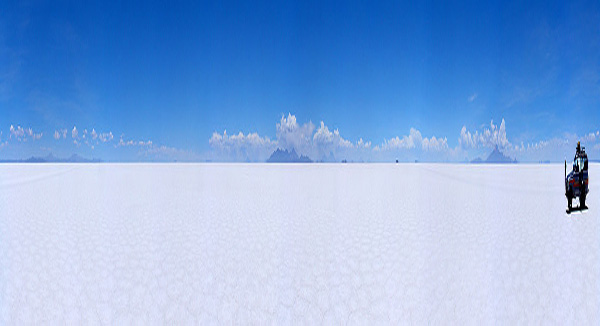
(308, 244)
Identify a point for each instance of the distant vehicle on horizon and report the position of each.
(577, 181)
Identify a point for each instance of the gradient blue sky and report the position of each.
(174, 74)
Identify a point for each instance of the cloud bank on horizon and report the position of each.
(321, 144)
(88, 141)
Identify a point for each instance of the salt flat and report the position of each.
(308, 244)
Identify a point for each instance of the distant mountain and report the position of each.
(328, 158)
(285, 156)
(496, 156)
(78, 159)
(53, 159)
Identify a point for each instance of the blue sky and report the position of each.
(356, 80)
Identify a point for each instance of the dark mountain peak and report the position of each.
(285, 156)
(496, 156)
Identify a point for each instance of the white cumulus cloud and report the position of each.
(105, 137)
(241, 147)
(327, 142)
(414, 140)
(84, 137)
(16, 132)
(488, 137)
(23, 134)
(362, 144)
(132, 142)
(435, 144)
(320, 144)
(556, 148)
(291, 135)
